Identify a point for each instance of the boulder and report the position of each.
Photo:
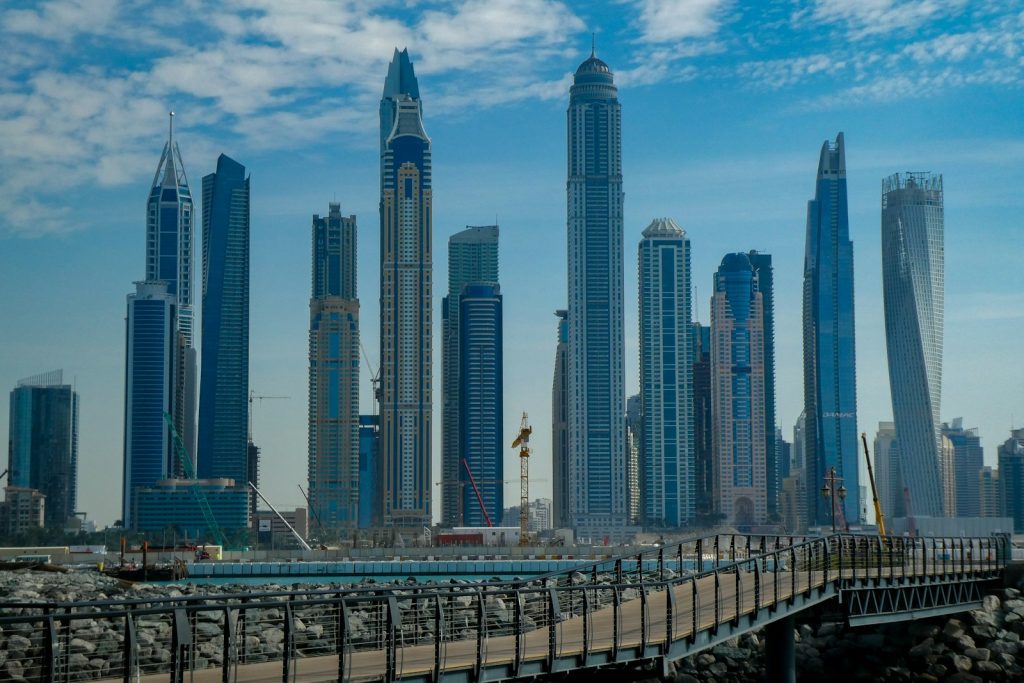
(954, 628)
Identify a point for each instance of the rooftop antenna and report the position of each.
(593, 43)
(170, 129)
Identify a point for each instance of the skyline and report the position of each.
(712, 154)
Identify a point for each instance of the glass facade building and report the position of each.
(597, 439)
(224, 382)
(913, 286)
(472, 258)
(43, 443)
(666, 375)
(967, 458)
(172, 504)
(830, 380)
(762, 264)
(481, 406)
(737, 388)
(406, 271)
(702, 424)
(369, 471)
(149, 390)
(560, 425)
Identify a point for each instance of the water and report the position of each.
(320, 580)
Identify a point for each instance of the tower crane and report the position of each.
(253, 396)
(523, 443)
(879, 517)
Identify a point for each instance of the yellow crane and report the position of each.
(879, 517)
(522, 442)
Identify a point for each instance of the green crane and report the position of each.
(197, 491)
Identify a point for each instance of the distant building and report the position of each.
(369, 471)
(1011, 477)
(666, 375)
(913, 288)
(737, 388)
(702, 424)
(784, 453)
(151, 357)
(23, 509)
(762, 264)
(172, 504)
(988, 493)
(634, 458)
(540, 515)
(967, 458)
(274, 533)
(830, 380)
(224, 381)
(472, 258)
(888, 478)
(560, 425)
(481, 406)
(43, 443)
(798, 451)
(792, 504)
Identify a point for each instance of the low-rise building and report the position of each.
(23, 509)
(173, 503)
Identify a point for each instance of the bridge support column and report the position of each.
(780, 651)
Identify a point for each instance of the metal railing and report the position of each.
(624, 608)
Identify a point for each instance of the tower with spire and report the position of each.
(405, 301)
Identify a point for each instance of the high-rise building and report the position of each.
(737, 388)
(43, 443)
(968, 459)
(1011, 478)
(784, 454)
(151, 356)
(406, 267)
(762, 264)
(799, 450)
(169, 250)
(224, 382)
(472, 258)
(369, 471)
(597, 440)
(560, 426)
(913, 288)
(481, 408)
(988, 493)
(634, 459)
(702, 425)
(666, 369)
(333, 436)
(888, 477)
(830, 381)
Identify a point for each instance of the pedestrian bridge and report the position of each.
(651, 608)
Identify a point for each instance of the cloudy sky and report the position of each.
(725, 107)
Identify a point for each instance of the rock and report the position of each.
(273, 636)
(963, 677)
(959, 662)
(983, 631)
(871, 641)
(704, 660)
(922, 649)
(17, 643)
(829, 629)
(1011, 593)
(805, 631)
(964, 642)
(954, 628)
(78, 645)
(718, 669)
(988, 668)
(14, 669)
(978, 654)
(990, 603)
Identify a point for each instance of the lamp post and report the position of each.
(828, 490)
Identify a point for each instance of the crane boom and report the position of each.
(523, 442)
(197, 492)
(300, 539)
(479, 498)
(879, 517)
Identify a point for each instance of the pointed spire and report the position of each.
(170, 128)
(593, 44)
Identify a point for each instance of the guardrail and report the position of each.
(620, 611)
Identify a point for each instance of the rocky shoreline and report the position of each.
(972, 647)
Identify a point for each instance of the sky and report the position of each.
(725, 106)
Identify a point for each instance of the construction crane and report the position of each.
(374, 377)
(197, 491)
(523, 443)
(879, 517)
(254, 397)
(479, 498)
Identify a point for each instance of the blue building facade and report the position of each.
(560, 426)
(43, 443)
(762, 264)
(597, 429)
(224, 382)
(667, 464)
(172, 504)
(149, 391)
(406, 269)
(481, 408)
(369, 471)
(472, 258)
(914, 289)
(830, 380)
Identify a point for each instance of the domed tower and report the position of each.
(597, 443)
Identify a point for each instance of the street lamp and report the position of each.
(828, 490)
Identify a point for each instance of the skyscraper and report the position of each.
(702, 425)
(597, 442)
(737, 388)
(830, 381)
(988, 493)
(472, 258)
(406, 268)
(560, 425)
(149, 390)
(369, 471)
(481, 386)
(169, 249)
(762, 264)
(666, 368)
(43, 443)
(968, 459)
(334, 437)
(888, 479)
(634, 459)
(913, 282)
(224, 383)
(1011, 478)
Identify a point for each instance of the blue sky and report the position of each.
(725, 107)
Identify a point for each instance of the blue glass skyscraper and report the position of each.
(913, 287)
(762, 264)
(560, 426)
(668, 492)
(830, 381)
(481, 408)
(597, 427)
(406, 268)
(224, 383)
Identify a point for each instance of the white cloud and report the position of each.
(671, 20)
(61, 19)
(780, 73)
(877, 17)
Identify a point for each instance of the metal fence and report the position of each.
(623, 606)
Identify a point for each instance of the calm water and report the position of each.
(324, 580)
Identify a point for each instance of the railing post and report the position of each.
(699, 552)
(393, 621)
(481, 634)
(181, 638)
(732, 548)
(616, 616)
(618, 571)
(695, 616)
(670, 617)
(718, 605)
(230, 648)
(739, 596)
(519, 633)
(586, 627)
(644, 625)
(828, 559)
(716, 551)
(878, 578)
(439, 629)
(51, 649)
(793, 569)
(554, 621)
(757, 589)
(661, 563)
(288, 656)
(341, 642)
(131, 642)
